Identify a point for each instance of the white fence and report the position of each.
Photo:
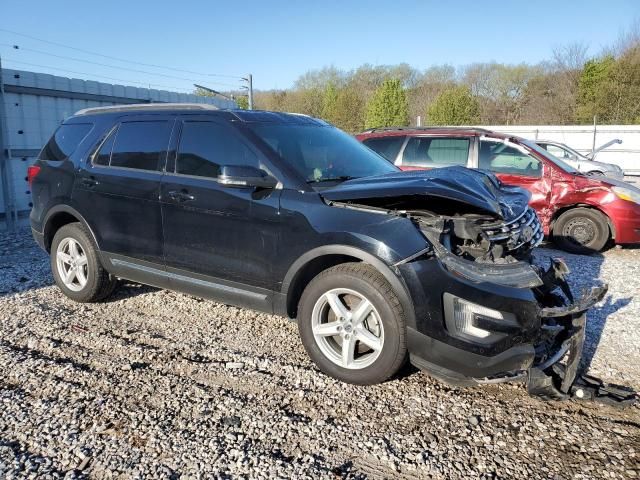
(581, 138)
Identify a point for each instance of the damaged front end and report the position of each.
(485, 312)
(553, 374)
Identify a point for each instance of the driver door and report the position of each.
(219, 240)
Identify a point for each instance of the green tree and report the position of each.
(454, 106)
(388, 107)
(349, 112)
(593, 88)
(243, 102)
(330, 103)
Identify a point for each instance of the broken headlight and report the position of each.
(476, 323)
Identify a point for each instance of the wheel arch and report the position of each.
(58, 217)
(311, 263)
(566, 208)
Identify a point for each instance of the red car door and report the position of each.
(513, 165)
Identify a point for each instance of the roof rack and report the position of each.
(147, 106)
(400, 129)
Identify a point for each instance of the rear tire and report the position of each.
(365, 342)
(581, 230)
(76, 267)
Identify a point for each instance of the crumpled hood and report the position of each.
(479, 189)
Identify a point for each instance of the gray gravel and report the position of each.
(156, 384)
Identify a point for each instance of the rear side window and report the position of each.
(436, 152)
(388, 147)
(65, 141)
(138, 145)
(206, 146)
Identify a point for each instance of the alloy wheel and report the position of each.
(347, 328)
(71, 261)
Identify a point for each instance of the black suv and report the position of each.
(286, 214)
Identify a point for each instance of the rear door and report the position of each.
(117, 189)
(219, 241)
(513, 165)
(424, 152)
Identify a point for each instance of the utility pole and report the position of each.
(249, 88)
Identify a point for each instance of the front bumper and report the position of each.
(545, 326)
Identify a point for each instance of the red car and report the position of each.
(581, 213)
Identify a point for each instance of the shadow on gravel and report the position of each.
(127, 290)
(585, 273)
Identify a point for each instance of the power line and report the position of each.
(132, 62)
(64, 57)
(95, 75)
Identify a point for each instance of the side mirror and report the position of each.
(245, 176)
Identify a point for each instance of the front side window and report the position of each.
(138, 145)
(322, 153)
(64, 142)
(559, 152)
(436, 152)
(501, 158)
(388, 147)
(206, 146)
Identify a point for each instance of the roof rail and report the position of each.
(444, 127)
(147, 106)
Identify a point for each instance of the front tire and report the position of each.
(76, 267)
(352, 324)
(581, 230)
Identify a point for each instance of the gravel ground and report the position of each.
(156, 384)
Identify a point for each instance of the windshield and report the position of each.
(545, 153)
(322, 153)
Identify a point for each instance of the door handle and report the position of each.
(181, 196)
(89, 182)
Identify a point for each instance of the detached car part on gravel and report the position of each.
(376, 265)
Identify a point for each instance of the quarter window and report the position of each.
(500, 158)
(140, 145)
(436, 152)
(64, 142)
(206, 146)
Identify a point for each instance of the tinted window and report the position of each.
(103, 156)
(205, 146)
(500, 158)
(140, 145)
(436, 152)
(322, 153)
(388, 147)
(64, 141)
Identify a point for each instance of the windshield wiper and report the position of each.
(342, 178)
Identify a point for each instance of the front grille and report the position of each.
(525, 230)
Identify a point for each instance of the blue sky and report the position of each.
(277, 41)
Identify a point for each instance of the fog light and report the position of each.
(462, 318)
